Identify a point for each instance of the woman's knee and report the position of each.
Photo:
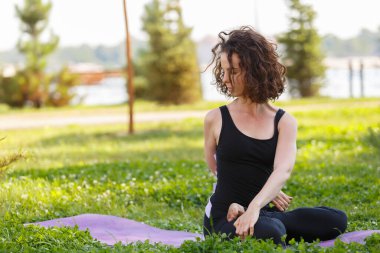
(218, 226)
(340, 218)
(270, 228)
(206, 226)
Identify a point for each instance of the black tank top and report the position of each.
(243, 163)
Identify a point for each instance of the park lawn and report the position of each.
(149, 106)
(158, 176)
(139, 106)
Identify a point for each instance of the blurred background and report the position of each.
(59, 53)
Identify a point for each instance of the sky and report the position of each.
(96, 22)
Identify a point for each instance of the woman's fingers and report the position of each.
(245, 234)
(282, 201)
(243, 231)
(236, 224)
(285, 197)
(241, 210)
(239, 228)
(234, 211)
(245, 223)
(280, 204)
(251, 230)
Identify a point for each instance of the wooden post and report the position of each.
(350, 78)
(361, 73)
(130, 86)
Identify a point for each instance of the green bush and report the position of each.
(11, 91)
(141, 88)
(61, 93)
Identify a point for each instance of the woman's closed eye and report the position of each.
(234, 71)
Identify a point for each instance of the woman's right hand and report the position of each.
(234, 211)
(282, 201)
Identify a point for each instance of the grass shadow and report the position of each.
(373, 137)
(112, 136)
(121, 170)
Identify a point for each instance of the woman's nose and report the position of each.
(226, 78)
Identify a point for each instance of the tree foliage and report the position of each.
(11, 91)
(32, 85)
(60, 93)
(170, 64)
(34, 16)
(303, 55)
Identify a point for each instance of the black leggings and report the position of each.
(321, 222)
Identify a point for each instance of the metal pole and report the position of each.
(350, 78)
(256, 16)
(361, 79)
(130, 85)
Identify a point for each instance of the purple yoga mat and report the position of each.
(111, 229)
(357, 236)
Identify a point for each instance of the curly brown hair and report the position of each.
(264, 75)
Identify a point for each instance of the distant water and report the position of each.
(112, 90)
(337, 85)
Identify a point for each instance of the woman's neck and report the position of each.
(246, 105)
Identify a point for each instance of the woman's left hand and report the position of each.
(282, 201)
(246, 222)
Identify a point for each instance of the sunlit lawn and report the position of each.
(149, 106)
(158, 176)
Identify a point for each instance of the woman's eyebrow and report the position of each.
(229, 69)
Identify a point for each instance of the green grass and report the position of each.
(149, 106)
(140, 106)
(158, 176)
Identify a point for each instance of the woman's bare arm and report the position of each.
(283, 162)
(210, 140)
(283, 165)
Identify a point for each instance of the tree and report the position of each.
(10, 91)
(34, 16)
(60, 92)
(303, 56)
(171, 64)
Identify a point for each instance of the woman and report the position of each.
(250, 145)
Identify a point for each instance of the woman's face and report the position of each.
(232, 75)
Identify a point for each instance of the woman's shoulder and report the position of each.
(286, 117)
(287, 121)
(213, 115)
